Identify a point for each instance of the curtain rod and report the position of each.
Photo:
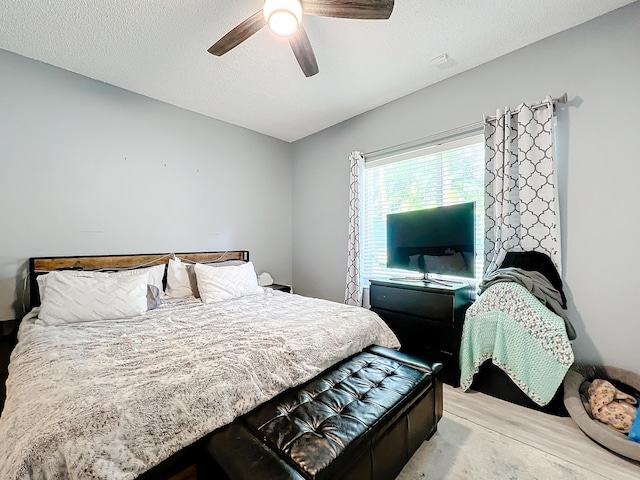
(447, 134)
(561, 99)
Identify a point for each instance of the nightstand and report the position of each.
(8, 339)
(282, 288)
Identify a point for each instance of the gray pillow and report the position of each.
(446, 264)
(153, 297)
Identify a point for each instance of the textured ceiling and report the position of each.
(159, 49)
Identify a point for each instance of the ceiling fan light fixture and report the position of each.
(283, 16)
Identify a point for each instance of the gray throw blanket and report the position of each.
(539, 286)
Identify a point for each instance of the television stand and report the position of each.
(426, 318)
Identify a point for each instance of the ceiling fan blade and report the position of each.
(301, 47)
(239, 34)
(359, 9)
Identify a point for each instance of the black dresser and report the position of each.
(426, 318)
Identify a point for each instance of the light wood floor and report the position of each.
(558, 436)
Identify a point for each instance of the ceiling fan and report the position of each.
(284, 18)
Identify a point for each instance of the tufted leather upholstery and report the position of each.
(362, 419)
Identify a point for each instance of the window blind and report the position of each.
(430, 177)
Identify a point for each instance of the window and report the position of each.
(430, 177)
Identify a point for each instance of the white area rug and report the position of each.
(464, 450)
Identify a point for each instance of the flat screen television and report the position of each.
(439, 240)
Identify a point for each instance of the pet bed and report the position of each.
(606, 436)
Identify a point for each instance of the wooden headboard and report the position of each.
(43, 265)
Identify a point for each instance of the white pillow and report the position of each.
(178, 283)
(156, 274)
(224, 283)
(181, 277)
(78, 296)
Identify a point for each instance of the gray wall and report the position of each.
(87, 168)
(598, 64)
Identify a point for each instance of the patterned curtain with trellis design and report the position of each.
(353, 293)
(521, 201)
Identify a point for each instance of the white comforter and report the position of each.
(111, 399)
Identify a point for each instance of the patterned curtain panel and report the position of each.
(521, 198)
(353, 293)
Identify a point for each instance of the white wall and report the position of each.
(598, 64)
(87, 168)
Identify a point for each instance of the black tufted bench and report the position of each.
(361, 419)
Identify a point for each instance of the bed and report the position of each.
(119, 398)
